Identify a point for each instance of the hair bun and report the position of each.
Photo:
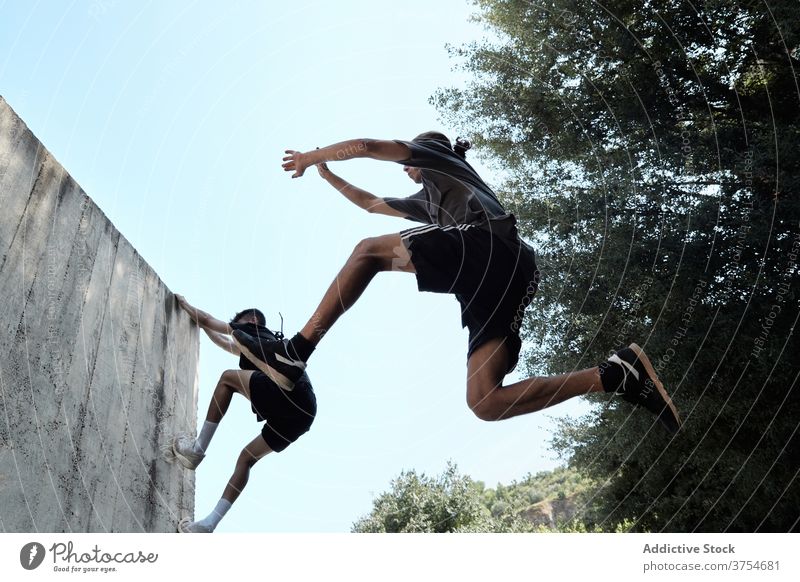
(462, 145)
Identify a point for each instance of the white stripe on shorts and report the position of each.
(431, 227)
(418, 230)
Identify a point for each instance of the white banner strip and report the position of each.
(375, 557)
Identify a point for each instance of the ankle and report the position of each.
(302, 347)
(597, 381)
(312, 334)
(212, 520)
(611, 376)
(204, 437)
(211, 524)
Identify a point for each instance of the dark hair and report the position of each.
(461, 147)
(260, 319)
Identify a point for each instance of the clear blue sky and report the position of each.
(173, 116)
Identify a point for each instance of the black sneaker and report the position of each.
(643, 388)
(271, 357)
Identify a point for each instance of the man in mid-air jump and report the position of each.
(468, 246)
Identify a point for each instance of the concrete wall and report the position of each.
(97, 364)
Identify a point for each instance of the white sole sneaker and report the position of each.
(186, 525)
(185, 458)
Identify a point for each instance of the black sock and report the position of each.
(301, 347)
(611, 376)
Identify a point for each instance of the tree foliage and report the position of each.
(418, 503)
(455, 503)
(649, 151)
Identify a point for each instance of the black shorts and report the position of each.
(494, 280)
(288, 414)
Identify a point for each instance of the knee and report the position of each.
(366, 247)
(228, 375)
(484, 398)
(246, 460)
(368, 251)
(228, 379)
(484, 406)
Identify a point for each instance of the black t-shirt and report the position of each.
(264, 333)
(454, 194)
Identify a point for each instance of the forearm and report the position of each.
(205, 320)
(343, 150)
(354, 194)
(222, 340)
(377, 149)
(200, 317)
(208, 322)
(358, 148)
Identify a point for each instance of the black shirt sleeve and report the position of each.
(432, 155)
(415, 207)
(437, 157)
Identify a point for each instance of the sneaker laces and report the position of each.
(619, 391)
(627, 371)
(168, 446)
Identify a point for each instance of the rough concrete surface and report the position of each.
(98, 366)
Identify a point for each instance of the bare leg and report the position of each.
(490, 400)
(229, 382)
(250, 455)
(370, 257)
(255, 450)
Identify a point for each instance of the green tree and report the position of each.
(451, 502)
(649, 151)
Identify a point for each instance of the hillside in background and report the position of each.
(558, 500)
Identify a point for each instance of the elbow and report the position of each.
(373, 205)
(376, 149)
(368, 147)
(356, 148)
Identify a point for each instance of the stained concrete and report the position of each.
(98, 365)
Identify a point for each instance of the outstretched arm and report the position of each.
(356, 195)
(377, 149)
(223, 341)
(203, 319)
